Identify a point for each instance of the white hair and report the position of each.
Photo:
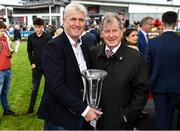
(75, 6)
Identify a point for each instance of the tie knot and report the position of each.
(109, 53)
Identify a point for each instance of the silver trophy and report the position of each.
(93, 80)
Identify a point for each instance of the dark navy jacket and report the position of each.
(142, 43)
(163, 59)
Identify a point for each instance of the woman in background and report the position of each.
(130, 37)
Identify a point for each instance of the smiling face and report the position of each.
(74, 24)
(111, 33)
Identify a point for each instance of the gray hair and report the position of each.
(108, 19)
(75, 6)
(144, 20)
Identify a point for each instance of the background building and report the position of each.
(134, 10)
(51, 11)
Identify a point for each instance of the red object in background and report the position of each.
(93, 9)
(157, 22)
(150, 97)
(21, 19)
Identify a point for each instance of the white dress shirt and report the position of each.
(80, 60)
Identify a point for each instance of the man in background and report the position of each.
(162, 57)
(36, 43)
(146, 25)
(17, 37)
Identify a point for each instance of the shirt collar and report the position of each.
(73, 42)
(114, 49)
(168, 30)
(39, 36)
(144, 33)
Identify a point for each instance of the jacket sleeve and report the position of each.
(30, 50)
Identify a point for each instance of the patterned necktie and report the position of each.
(109, 53)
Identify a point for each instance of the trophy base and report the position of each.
(93, 124)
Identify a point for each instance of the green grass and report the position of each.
(19, 95)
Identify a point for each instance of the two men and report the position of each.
(63, 60)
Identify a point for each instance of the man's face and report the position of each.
(74, 24)
(39, 29)
(111, 34)
(122, 19)
(148, 25)
(2, 32)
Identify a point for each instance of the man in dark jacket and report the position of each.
(17, 37)
(162, 57)
(35, 45)
(64, 58)
(125, 89)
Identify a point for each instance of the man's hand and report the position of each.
(92, 114)
(33, 66)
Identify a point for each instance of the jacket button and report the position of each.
(82, 90)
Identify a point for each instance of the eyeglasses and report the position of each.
(150, 24)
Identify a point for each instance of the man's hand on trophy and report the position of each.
(93, 114)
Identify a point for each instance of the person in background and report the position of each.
(35, 45)
(64, 58)
(5, 71)
(88, 38)
(162, 56)
(94, 31)
(123, 20)
(58, 32)
(17, 37)
(125, 89)
(130, 37)
(146, 25)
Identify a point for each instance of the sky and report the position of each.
(11, 2)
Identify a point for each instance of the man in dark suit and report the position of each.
(146, 25)
(64, 58)
(89, 39)
(162, 56)
(94, 31)
(125, 89)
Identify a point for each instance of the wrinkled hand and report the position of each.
(93, 114)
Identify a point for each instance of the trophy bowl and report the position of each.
(93, 80)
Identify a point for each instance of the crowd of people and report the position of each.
(135, 64)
